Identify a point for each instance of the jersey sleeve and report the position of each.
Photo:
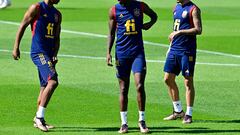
(113, 10)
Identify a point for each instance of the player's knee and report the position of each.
(167, 80)
(53, 83)
(139, 87)
(188, 84)
(123, 91)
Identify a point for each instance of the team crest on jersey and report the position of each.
(184, 14)
(136, 12)
(56, 18)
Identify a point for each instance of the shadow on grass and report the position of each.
(216, 121)
(106, 129)
(170, 130)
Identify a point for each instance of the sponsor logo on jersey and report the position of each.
(121, 16)
(184, 14)
(42, 59)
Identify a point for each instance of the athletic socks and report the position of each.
(141, 116)
(123, 117)
(177, 106)
(40, 112)
(189, 110)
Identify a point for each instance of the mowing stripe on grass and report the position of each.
(146, 42)
(149, 61)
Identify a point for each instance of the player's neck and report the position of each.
(184, 2)
(49, 3)
(126, 3)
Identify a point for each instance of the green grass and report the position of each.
(86, 101)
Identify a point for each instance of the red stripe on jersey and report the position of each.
(49, 77)
(142, 8)
(34, 22)
(114, 13)
(191, 17)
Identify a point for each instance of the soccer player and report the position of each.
(182, 56)
(5, 3)
(45, 22)
(126, 19)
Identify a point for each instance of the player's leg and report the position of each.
(190, 92)
(48, 80)
(139, 70)
(172, 69)
(188, 64)
(47, 93)
(38, 120)
(38, 104)
(123, 67)
(141, 99)
(43, 86)
(44, 99)
(40, 95)
(123, 100)
(169, 79)
(141, 95)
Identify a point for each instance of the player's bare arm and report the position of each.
(196, 30)
(57, 39)
(27, 19)
(111, 36)
(148, 11)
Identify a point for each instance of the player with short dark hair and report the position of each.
(45, 22)
(126, 20)
(182, 56)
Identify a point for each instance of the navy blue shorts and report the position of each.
(46, 70)
(177, 63)
(125, 65)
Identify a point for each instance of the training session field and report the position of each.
(86, 101)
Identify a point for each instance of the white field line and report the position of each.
(149, 61)
(146, 42)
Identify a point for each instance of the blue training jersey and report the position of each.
(183, 20)
(129, 20)
(44, 30)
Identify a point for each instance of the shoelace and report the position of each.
(143, 124)
(124, 126)
(42, 121)
(187, 117)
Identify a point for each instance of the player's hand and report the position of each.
(109, 60)
(16, 54)
(172, 35)
(147, 26)
(168, 49)
(54, 60)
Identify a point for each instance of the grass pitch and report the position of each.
(86, 101)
